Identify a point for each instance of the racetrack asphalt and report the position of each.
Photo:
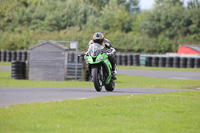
(186, 75)
(21, 95)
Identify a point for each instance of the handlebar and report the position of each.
(82, 54)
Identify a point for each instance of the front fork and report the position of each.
(100, 72)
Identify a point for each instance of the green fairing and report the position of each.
(89, 60)
(109, 69)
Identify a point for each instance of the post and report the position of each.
(83, 77)
(76, 60)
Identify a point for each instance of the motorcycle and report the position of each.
(99, 67)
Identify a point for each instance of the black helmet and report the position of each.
(98, 38)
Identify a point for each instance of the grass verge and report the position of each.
(122, 81)
(158, 68)
(167, 112)
(5, 63)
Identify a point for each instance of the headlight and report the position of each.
(89, 60)
(100, 58)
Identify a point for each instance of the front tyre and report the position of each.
(96, 79)
(110, 86)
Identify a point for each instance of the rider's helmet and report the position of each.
(98, 38)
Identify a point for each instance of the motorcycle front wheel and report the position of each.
(96, 79)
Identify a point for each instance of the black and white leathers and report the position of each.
(107, 45)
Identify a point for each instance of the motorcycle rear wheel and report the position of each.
(96, 79)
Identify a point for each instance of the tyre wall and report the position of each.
(124, 59)
(18, 70)
(8, 56)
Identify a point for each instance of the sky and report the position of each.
(148, 4)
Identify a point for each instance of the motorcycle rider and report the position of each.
(99, 38)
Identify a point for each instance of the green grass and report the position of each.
(146, 82)
(152, 113)
(5, 63)
(6, 81)
(122, 81)
(159, 68)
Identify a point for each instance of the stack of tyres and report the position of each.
(19, 55)
(155, 61)
(71, 58)
(183, 62)
(197, 63)
(24, 56)
(190, 63)
(87, 75)
(116, 58)
(14, 55)
(119, 59)
(3, 56)
(130, 59)
(18, 69)
(169, 62)
(136, 59)
(148, 61)
(124, 60)
(23, 69)
(162, 61)
(8, 56)
(176, 62)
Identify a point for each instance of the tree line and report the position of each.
(159, 30)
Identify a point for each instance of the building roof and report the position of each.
(51, 43)
(194, 47)
(189, 49)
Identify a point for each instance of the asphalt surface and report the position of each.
(5, 68)
(21, 95)
(186, 75)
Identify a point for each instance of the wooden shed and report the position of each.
(47, 61)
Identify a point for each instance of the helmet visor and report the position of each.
(99, 41)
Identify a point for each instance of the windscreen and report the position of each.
(94, 49)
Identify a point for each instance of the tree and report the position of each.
(99, 4)
(121, 20)
(165, 20)
(108, 14)
(194, 4)
(136, 24)
(167, 3)
(132, 6)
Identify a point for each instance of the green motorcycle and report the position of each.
(99, 67)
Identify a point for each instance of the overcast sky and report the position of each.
(148, 4)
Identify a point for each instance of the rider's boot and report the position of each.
(114, 72)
